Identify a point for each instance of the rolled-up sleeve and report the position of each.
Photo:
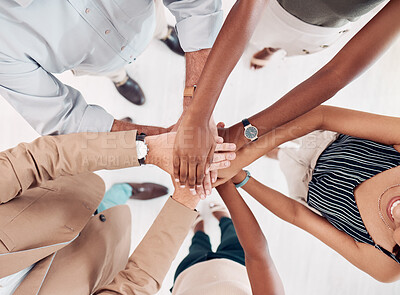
(47, 104)
(198, 22)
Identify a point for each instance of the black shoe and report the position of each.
(131, 90)
(127, 119)
(172, 41)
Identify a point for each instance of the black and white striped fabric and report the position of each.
(343, 165)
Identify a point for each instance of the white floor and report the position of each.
(306, 265)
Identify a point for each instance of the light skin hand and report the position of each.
(185, 197)
(148, 130)
(161, 147)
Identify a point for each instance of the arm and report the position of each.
(195, 142)
(48, 105)
(363, 256)
(55, 108)
(354, 58)
(30, 164)
(151, 260)
(382, 129)
(197, 24)
(263, 276)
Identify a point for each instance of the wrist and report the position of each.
(151, 157)
(238, 178)
(185, 197)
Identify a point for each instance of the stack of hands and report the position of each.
(196, 172)
(196, 154)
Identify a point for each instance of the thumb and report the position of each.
(221, 125)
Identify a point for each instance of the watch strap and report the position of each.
(244, 181)
(245, 122)
(189, 91)
(141, 137)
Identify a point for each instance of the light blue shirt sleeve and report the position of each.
(48, 105)
(198, 22)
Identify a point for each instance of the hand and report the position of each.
(184, 196)
(194, 148)
(233, 172)
(161, 153)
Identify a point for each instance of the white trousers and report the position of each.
(280, 29)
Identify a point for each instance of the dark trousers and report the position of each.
(200, 250)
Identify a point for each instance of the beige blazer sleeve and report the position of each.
(151, 260)
(30, 164)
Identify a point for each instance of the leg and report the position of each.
(161, 30)
(198, 251)
(230, 247)
(120, 193)
(127, 87)
(229, 239)
(165, 32)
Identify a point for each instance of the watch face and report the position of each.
(251, 132)
(141, 149)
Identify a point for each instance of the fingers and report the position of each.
(200, 190)
(225, 147)
(218, 157)
(183, 171)
(220, 165)
(176, 168)
(192, 173)
(221, 125)
(214, 176)
(207, 184)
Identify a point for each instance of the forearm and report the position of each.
(299, 127)
(349, 63)
(247, 228)
(280, 205)
(30, 164)
(151, 260)
(148, 130)
(297, 102)
(228, 48)
(195, 62)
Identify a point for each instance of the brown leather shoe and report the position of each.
(127, 119)
(147, 190)
(131, 90)
(172, 41)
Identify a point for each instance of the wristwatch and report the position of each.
(141, 148)
(250, 132)
(189, 91)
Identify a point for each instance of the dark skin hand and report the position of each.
(358, 54)
(263, 276)
(195, 141)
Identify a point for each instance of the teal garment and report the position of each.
(118, 194)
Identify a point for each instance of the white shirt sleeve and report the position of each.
(198, 22)
(48, 105)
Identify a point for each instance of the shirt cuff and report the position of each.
(199, 31)
(95, 119)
